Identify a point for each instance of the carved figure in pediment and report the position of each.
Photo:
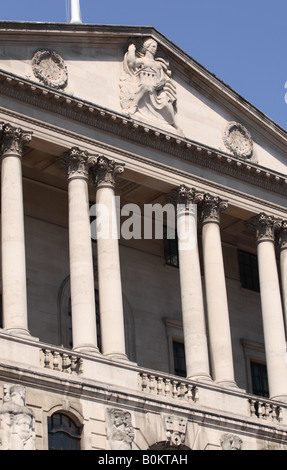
(120, 429)
(17, 428)
(147, 89)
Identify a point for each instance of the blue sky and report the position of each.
(242, 42)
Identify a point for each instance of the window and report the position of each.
(63, 433)
(179, 359)
(259, 379)
(170, 247)
(248, 270)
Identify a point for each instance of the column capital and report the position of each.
(13, 140)
(105, 171)
(183, 198)
(263, 226)
(76, 162)
(282, 235)
(211, 207)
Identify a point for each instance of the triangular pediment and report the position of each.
(88, 68)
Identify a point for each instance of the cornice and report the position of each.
(58, 102)
(181, 60)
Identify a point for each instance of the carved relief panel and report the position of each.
(17, 428)
(120, 430)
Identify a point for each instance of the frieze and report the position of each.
(49, 68)
(108, 121)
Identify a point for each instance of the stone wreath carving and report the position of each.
(238, 140)
(49, 68)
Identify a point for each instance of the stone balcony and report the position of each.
(95, 375)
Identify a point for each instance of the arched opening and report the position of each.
(63, 432)
(166, 445)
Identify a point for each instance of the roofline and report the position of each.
(186, 59)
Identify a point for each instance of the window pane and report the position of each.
(248, 270)
(179, 359)
(259, 379)
(170, 247)
(63, 433)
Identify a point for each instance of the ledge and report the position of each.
(55, 101)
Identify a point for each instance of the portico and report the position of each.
(203, 343)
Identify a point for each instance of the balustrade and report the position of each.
(61, 361)
(169, 387)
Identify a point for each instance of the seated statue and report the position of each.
(147, 90)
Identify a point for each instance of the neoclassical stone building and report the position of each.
(114, 336)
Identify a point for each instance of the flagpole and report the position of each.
(76, 17)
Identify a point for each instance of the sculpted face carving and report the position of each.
(231, 442)
(120, 430)
(17, 429)
(147, 89)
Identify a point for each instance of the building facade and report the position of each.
(143, 248)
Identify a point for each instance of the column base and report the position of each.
(21, 333)
(117, 357)
(87, 349)
(227, 384)
(200, 378)
(281, 398)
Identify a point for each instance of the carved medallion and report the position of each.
(238, 140)
(49, 68)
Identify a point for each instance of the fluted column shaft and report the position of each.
(283, 267)
(194, 329)
(14, 286)
(273, 324)
(80, 250)
(216, 294)
(108, 258)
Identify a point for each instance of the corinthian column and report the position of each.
(216, 295)
(109, 274)
(283, 266)
(80, 246)
(14, 290)
(273, 324)
(194, 330)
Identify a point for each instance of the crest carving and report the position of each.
(50, 69)
(238, 140)
(175, 428)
